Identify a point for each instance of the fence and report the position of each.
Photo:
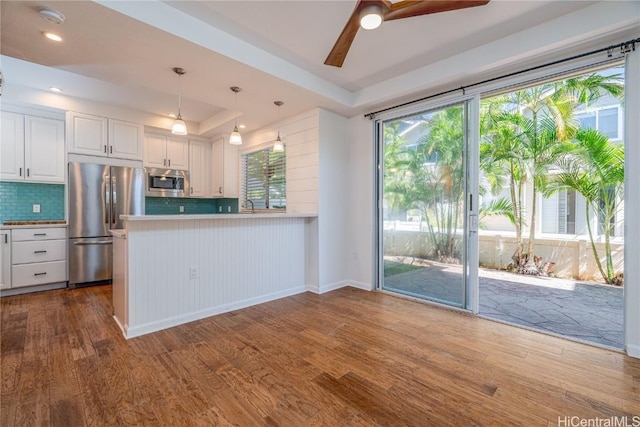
(572, 255)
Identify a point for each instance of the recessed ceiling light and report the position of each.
(172, 115)
(54, 37)
(241, 126)
(55, 89)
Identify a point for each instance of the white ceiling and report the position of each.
(121, 53)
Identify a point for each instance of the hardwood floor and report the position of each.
(348, 357)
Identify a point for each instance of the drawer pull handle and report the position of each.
(40, 274)
(39, 252)
(39, 234)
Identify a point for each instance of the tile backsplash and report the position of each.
(171, 206)
(17, 200)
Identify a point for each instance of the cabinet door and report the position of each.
(177, 154)
(88, 134)
(12, 146)
(125, 140)
(198, 170)
(44, 149)
(155, 151)
(217, 169)
(5, 259)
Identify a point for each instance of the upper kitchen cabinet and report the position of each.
(225, 169)
(167, 152)
(104, 137)
(199, 180)
(31, 148)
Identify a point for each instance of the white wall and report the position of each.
(333, 198)
(360, 209)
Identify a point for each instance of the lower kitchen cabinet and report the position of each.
(38, 256)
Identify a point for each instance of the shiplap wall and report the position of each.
(300, 134)
(240, 262)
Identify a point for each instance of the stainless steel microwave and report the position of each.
(167, 183)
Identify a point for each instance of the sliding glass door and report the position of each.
(423, 214)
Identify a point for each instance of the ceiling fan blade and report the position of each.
(341, 47)
(409, 8)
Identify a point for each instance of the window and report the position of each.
(264, 179)
(605, 120)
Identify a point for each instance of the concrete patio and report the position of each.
(584, 311)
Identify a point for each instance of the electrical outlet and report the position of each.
(220, 209)
(229, 209)
(36, 208)
(355, 257)
(193, 272)
(181, 209)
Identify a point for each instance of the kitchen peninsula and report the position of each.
(174, 269)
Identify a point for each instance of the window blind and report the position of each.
(264, 179)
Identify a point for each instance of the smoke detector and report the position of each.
(51, 15)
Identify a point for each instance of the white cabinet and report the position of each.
(104, 137)
(31, 148)
(5, 259)
(162, 151)
(225, 170)
(199, 179)
(38, 256)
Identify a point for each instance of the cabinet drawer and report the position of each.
(38, 273)
(22, 234)
(40, 251)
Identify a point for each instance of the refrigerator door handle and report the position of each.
(98, 242)
(107, 204)
(114, 199)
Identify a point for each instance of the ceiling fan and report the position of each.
(371, 13)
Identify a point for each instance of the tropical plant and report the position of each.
(524, 134)
(595, 169)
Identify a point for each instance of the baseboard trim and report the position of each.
(633, 351)
(338, 285)
(360, 285)
(30, 289)
(146, 328)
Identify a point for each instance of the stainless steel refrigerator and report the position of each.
(98, 195)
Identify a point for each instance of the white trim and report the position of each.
(180, 319)
(632, 206)
(359, 285)
(30, 289)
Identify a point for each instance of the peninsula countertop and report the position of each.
(182, 217)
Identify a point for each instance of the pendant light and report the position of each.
(179, 126)
(235, 138)
(278, 146)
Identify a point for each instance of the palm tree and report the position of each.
(526, 132)
(595, 169)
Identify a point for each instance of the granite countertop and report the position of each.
(8, 225)
(38, 222)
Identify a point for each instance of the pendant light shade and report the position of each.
(179, 127)
(235, 138)
(278, 146)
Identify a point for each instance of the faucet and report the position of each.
(253, 210)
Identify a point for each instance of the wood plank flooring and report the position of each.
(345, 358)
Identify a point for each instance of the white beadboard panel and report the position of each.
(303, 196)
(304, 137)
(302, 184)
(239, 261)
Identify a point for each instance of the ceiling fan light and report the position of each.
(235, 138)
(371, 17)
(179, 127)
